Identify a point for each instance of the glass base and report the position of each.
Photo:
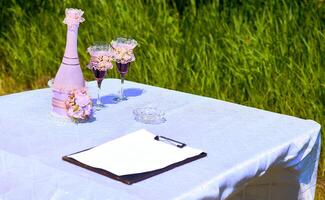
(99, 106)
(119, 99)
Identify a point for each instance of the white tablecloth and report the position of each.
(252, 153)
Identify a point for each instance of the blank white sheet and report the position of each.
(134, 153)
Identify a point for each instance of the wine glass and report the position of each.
(123, 56)
(100, 61)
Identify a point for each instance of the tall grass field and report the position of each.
(266, 54)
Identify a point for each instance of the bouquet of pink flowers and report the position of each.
(123, 50)
(79, 105)
(101, 57)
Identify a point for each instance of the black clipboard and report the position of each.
(134, 178)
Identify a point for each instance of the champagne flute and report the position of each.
(123, 56)
(100, 62)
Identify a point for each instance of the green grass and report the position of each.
(265, 54)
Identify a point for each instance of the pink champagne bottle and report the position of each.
(69, 76)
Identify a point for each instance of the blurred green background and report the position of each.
(266, 54)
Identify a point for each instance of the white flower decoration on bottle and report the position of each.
(73, 17)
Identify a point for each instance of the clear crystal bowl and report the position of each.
(149, 115)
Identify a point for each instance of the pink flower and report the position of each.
(102, 57)
(123, 55)
(78, 113)
(82, 99)
(88, 110)
(79, 105)
(123, 50)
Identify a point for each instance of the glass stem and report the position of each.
(98, 102)
(122, 84)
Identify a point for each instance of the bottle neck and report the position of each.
(71, 49)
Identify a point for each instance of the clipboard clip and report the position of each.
(170, 141)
